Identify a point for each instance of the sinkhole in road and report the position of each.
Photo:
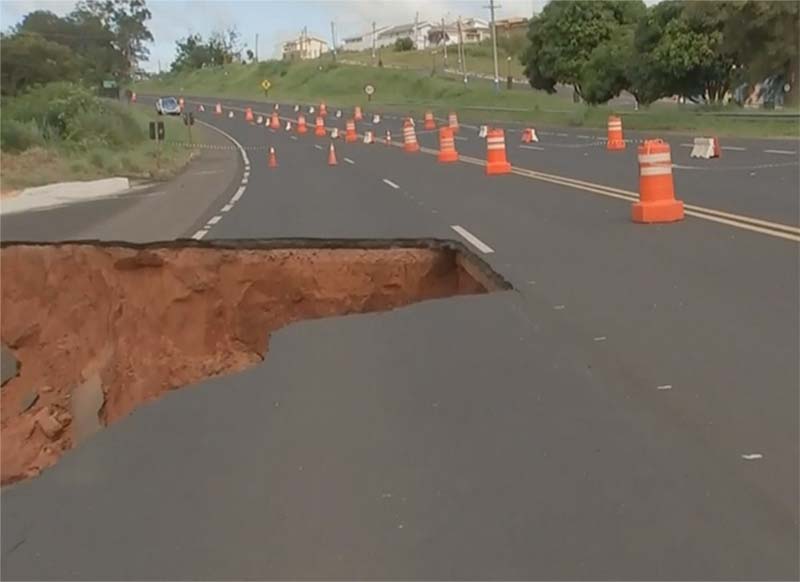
(100, 328)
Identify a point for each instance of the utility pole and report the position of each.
(256, 47)
(333, 40)
(444, 40)
(374, 38)
(461, 54)
(416, 27)
(494, 48)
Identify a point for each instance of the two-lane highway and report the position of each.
(629, 411)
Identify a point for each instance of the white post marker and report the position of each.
(288, 126)
(376, 119)
(368, 137)
(296, 108)
(483, 131)
(259, 120)
(335, 133)
(311, 110)
(338, 114)
(230, 114)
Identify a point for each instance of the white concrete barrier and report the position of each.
(705, 147)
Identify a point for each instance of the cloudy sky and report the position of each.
(276, 20)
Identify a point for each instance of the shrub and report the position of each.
(403, 44)
(17, 136)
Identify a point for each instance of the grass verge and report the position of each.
(63, 134)
(413, 92)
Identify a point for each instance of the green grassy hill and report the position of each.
(414, 91)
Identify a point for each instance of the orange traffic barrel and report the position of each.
(350, 135)
(496, 162)
(447, 146)
(409, 137)
(615, 140)
(452, 121)
(430, 123)
(301, 124)
(319, 127)
(656, 189)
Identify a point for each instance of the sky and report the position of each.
(275, 21)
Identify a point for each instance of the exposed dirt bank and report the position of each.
(101, 328)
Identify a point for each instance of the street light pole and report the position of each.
(494, 48)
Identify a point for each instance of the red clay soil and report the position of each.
(148, 320)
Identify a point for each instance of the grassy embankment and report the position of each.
(413, 91)
(62, 132)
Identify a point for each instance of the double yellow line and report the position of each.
(774, 229)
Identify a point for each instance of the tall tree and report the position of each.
(563, 37)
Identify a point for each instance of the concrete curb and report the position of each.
(63, 193)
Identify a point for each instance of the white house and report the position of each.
(475, 30)
(418, 33)
(361, 42)
(304, 47)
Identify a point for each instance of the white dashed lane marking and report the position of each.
(349, 161)
(530, 147)
(227, 207)
(199, 234)
(472, 239)
(214, 220)
(390, 183)
(782, 152)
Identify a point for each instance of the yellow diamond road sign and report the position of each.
(266, 85)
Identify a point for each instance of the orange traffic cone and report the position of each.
(615, 141)
(656, 190)
(496, 162)
(409, 137)
(388, 137)
(218, 109)
(529, 135)
(319, 128)
(323, 109)
(301, 124)
(332, 156)
(357, 114)
(350, 131)
(447, 146)
(133, 97)
(274, 121)
(430, 122)
(452, 121)
(181, 103)
(273, 160)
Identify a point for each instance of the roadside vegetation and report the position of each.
(56, 125)
(63, 132)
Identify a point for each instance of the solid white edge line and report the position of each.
(390, 183)
(200, 234)
(214, 219)
(472, 239)
(530, 147)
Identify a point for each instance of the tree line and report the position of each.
(697, 50)
(99, 40)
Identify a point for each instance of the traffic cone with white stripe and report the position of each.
(301, 124)
(332, 156)
(275, 122)
(430, 122)
(529, 135)
(656, 189)
(447, 146)
(388, 137)
(218, 109)
(273, 160)
(357, 115)
(319, 128)
(248, 115)
(452, 121)
(615, 141)
(133, 97)
(496, 162)
(350, 135)
(409, 137)
(323, 109)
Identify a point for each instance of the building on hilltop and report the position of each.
(303, 48)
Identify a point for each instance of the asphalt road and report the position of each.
(629, 411)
